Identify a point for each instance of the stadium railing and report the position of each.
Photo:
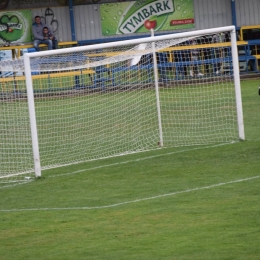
(165, 60)
(16, 49)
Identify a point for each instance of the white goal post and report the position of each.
(78, 104)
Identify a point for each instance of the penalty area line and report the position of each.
(120, 163)
(133, 201)
(16, 184)
(137, 160)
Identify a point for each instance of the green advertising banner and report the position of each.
(15, 26)
(144, 15)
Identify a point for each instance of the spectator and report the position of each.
(217, 38)
(37, 30)
(182, 57)
(207, 53)
(162, 60)
(49, 36)
(195, 57)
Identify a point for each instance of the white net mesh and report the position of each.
(100, 103)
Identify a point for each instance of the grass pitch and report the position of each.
(179, 203)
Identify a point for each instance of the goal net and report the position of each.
(84, 103)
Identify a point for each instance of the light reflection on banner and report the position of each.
(143, 15)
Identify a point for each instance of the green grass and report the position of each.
(179, 203)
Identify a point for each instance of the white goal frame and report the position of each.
(30, 93)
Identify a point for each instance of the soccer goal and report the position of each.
(78, 104)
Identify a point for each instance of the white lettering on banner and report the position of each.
(16, 26)
(136, 20)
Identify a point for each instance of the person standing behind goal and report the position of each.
(195, 57)
(217, 38)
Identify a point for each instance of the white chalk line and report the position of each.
(120, 163)
(132, 201)
(16, 184)
(136, 160)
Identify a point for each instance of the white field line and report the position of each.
(119, 163)
(133, 201)
(16, 184)
(139, 159)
